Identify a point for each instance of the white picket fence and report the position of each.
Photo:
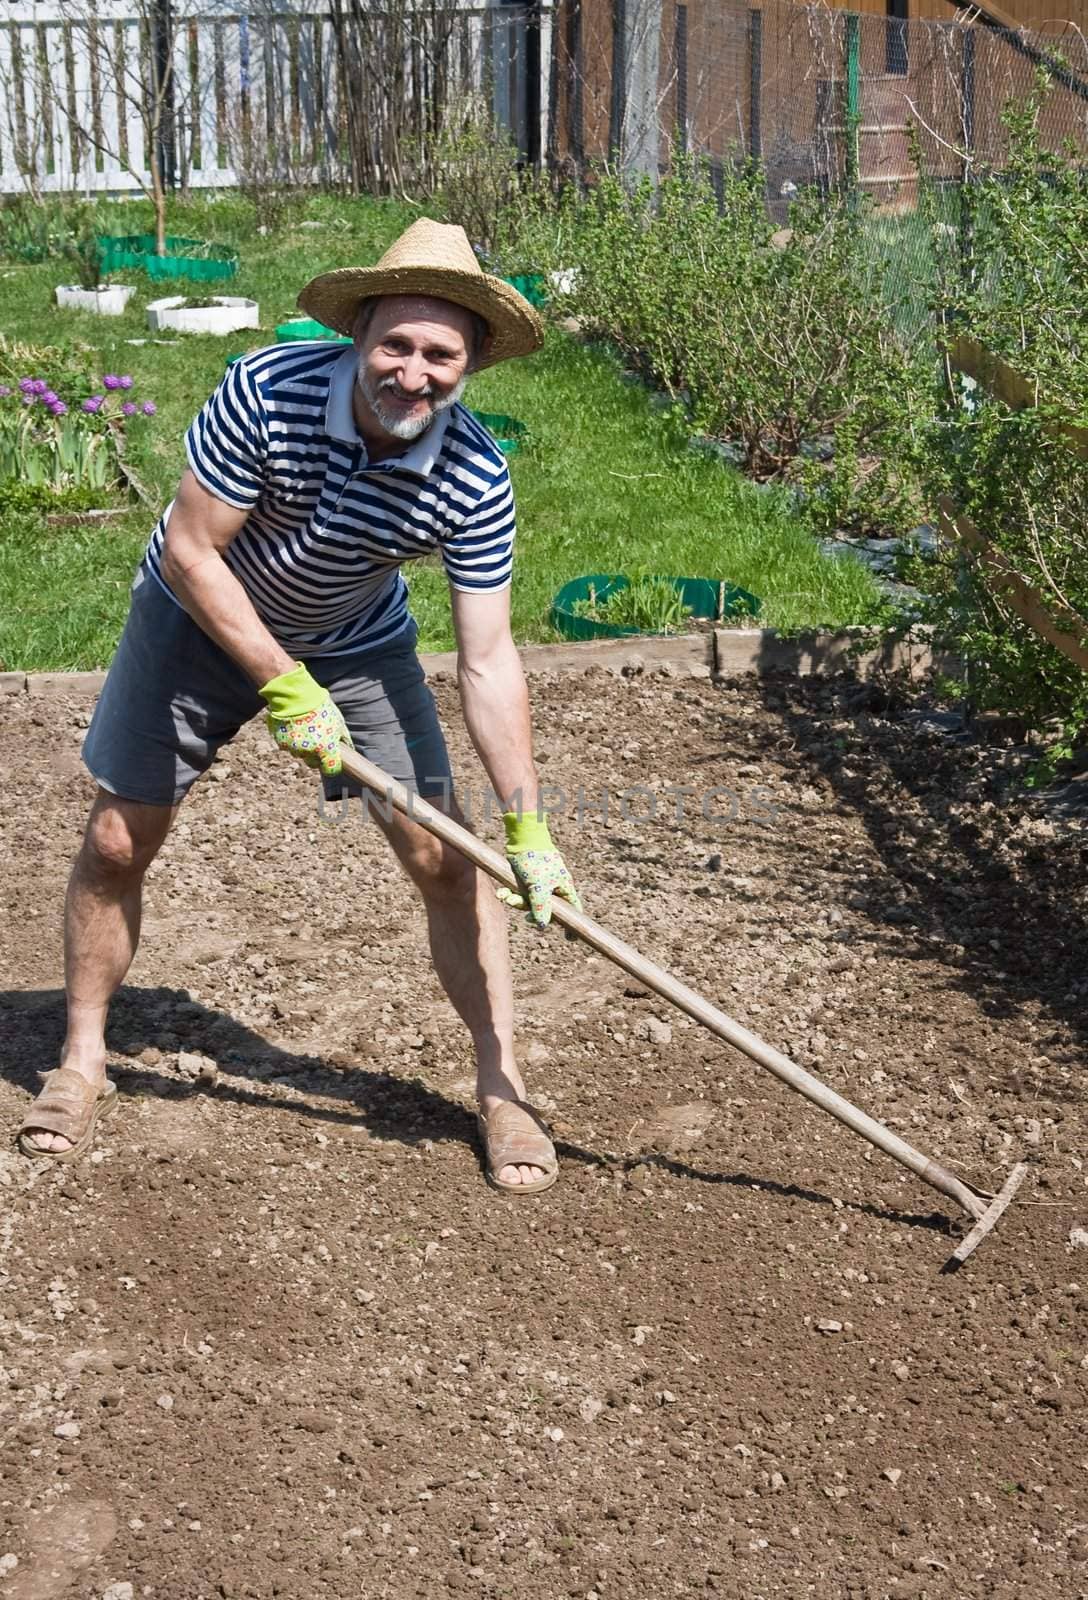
(75, 87)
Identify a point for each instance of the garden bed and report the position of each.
(294, 1279)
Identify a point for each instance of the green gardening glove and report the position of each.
(538, 867)
(302, 718)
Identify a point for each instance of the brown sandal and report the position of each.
(509, 1143)
(67, 1105)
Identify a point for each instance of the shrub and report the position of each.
(775, 342)
(1018, 283)
(469, 171)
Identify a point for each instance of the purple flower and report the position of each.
(111, 381)
(26, 385)
(59, 409)
(4, 391)
(129, 408)
(94, 403)
(149, 408)
(125, 382)
(49, 398)
(38, 386)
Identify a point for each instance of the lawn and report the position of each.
(608, 482)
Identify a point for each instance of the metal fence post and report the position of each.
(533, 98)
(618, 103)
(576, 144)
(680, 52)
(755, 83)
(853, 102)
(966, 230)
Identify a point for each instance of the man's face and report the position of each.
(413, 363)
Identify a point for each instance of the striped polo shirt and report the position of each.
(328, 531)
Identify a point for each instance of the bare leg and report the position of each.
(102, 926)
(467, 929)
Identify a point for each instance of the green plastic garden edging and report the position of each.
(531, 286)
(509, 434)
(707, 598)
(184, 258)
(307, 328)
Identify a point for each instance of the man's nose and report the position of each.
(413, 377)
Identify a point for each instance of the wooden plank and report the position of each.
(184, 119)
(1005, 383)
(111, 103)
(204, 131)
(9, 167)
(57, 68)
(329, 139)
(84, 150)
(129, 78)
(1069, 633)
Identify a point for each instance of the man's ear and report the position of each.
(482, 352)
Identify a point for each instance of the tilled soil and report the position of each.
(276, 1338)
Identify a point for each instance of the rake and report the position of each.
(983, 1208)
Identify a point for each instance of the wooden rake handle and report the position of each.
(670, 988)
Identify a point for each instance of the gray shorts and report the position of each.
(172, 698)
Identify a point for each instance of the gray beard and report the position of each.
(406, 428)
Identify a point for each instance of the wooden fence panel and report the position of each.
(73, 68)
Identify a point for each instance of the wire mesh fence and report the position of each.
(820, 95)
(874, 107)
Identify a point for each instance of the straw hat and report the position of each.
(433, 259)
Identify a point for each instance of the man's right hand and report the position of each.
(303, 718)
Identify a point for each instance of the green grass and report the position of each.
(607, 484)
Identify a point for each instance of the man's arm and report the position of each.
(198, 531)
(494, 697)
(496, 706)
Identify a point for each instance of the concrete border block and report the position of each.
(738, 651)
(727, 652)
(685, 649)
(57, 683)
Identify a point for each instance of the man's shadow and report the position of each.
(32, 1024)
(388, 1106)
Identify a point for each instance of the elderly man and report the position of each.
(273, 579)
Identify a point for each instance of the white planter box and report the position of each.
(229, 313)
(109, 300)
(565, 280)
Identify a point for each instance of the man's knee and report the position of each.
(123, 837)
(439, 870)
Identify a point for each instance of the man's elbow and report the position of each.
(180, 554)
(498, 666)
(172, 563)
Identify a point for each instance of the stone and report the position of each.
(118, 1591)
(658, 1032)
(197, 1068)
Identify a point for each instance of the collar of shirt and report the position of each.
(419, 458)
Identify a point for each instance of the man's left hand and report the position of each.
(538, 867)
